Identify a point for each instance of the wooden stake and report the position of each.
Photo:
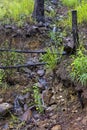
(75, 29)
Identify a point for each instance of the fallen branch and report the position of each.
(20, 66)
(30, 51)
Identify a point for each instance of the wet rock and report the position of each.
(4, 108)
(56, 127)
(41, 73)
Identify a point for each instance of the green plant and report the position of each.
(2, 74)
(15, 10)
(79, 68)
(51, 57)
(56, 38)
(9, 59)
(70, 3)
(37, 98)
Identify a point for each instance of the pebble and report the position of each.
(41, 73)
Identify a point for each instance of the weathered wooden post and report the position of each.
(75, 29)
(71, 47)
(38, 12)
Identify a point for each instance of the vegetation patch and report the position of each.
(51, 57)
(9, 59)
(81, 8)
(15, 10)
(79, 68)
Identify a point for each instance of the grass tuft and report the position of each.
(16, 9)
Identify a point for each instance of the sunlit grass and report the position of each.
(80, 6)
(15, 9)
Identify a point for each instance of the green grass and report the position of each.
(15, 9)
(79, 67)
(70, 3)
(81, 11)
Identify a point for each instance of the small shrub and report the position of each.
(79, 68)
(9, 59)
(37, 98)
(50, 58)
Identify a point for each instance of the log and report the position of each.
(21, 66)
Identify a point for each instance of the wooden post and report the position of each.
(75, 29)
(38, 12)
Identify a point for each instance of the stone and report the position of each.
(4, 108)
(56, 127)
(26, 116)
(52, 108)
(1, 100)
(41, 73)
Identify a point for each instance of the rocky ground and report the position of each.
(62, 108)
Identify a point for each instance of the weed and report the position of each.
(79, 68)
(37, 98)
(51, 57)
(9, 59)
(56, 38)
(70, 3)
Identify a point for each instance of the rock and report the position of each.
(26, 116)
(4, 108)
(84, 121)
(17, 107)
(1, 100)
(41, 73)
(56, 127)
(6, 126)
(52, 100)
(43, 83)
(36, 115)
(52, 108)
